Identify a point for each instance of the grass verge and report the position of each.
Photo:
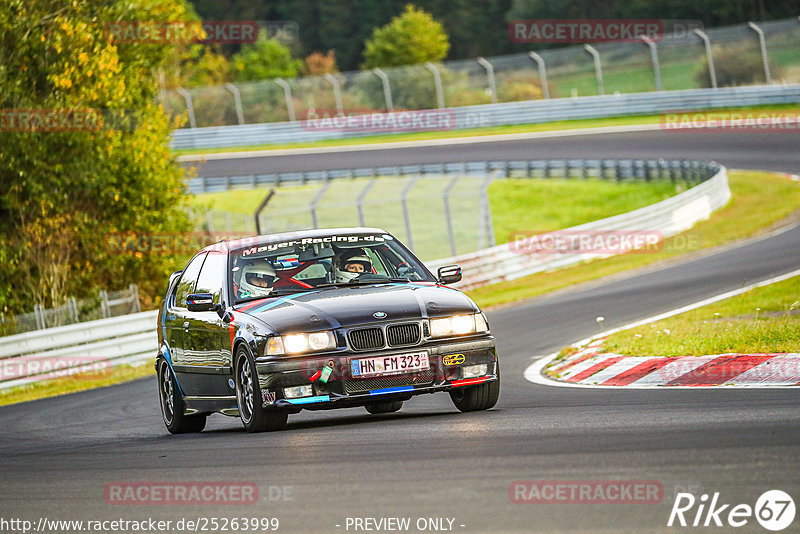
(744, 216)
(577, 124)
(765, 319)
(74, 383)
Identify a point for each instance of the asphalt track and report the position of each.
(57, 455)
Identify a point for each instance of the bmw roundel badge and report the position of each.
(379, 315)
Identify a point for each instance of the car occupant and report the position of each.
(256, 280)
(351, 263)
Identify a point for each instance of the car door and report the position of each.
(177, 324)
(207, 333)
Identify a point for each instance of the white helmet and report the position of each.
(350, 264)
(257, 278)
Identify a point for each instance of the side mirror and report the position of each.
(199, 302)
(449, 274)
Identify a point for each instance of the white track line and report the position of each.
(533, 373)
(417, 144)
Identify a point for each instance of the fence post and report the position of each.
(437, 80)
(337, 93)
(187, 97)
(317, 198)
(38, 314)
(486, 233)
(490, 75)
(763, 44)
(360, 201)
(447, 215)
(598, 68)
(287, 95)
(542, 73)
(387, 90)
(404, 200)
(104, 308)
(709, 56)
(654, 57)
(257, 214)
(72, 306)
(237, 101)
(135, 295)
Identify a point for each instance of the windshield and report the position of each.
(327, 261)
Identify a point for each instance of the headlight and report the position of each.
(298, 343)
(458, 325)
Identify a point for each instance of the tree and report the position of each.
(106, 169)
(411, 38)
(263, 60)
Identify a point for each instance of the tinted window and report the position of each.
(188, 279)
(212, 276)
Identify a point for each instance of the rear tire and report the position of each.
(480, 397)
(172, 406)
(248, 397)
(384, 407)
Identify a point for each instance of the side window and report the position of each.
(188, 278)
(377, 262)
(212, 275)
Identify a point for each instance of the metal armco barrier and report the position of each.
(41, 354)
(528, 112)
(33, 356)
(668, 217)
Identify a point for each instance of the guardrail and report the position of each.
(668, 217)
(528, 112)
(105, 343)
(61, 351)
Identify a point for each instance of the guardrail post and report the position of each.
(654, 58)
(317, 199)
(763, 44)
(437, 80)
(490, 76)
(598, 68)
(406, 217)
(387, 90)
(709, 56)
(360, 201)
(72, 306)
(287, 95)
(447, 215)
(337, 93)
(542, 73)
(237, 101)
(187, 97)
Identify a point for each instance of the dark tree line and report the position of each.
(475, 27)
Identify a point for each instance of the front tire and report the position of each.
(172, 406)
(480, 397)
(384, 407)
(248, 397)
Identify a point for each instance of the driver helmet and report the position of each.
(350, 264)
(257, 279)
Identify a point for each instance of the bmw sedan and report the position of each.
(263, 327)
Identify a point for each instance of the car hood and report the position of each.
(350, 306)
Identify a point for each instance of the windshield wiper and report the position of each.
(275, 293)
(356, 282)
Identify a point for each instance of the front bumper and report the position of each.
(447, 360)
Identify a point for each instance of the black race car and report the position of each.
(266, 326)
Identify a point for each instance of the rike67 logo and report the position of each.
(774, 510)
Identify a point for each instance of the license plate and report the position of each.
(390, 365)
